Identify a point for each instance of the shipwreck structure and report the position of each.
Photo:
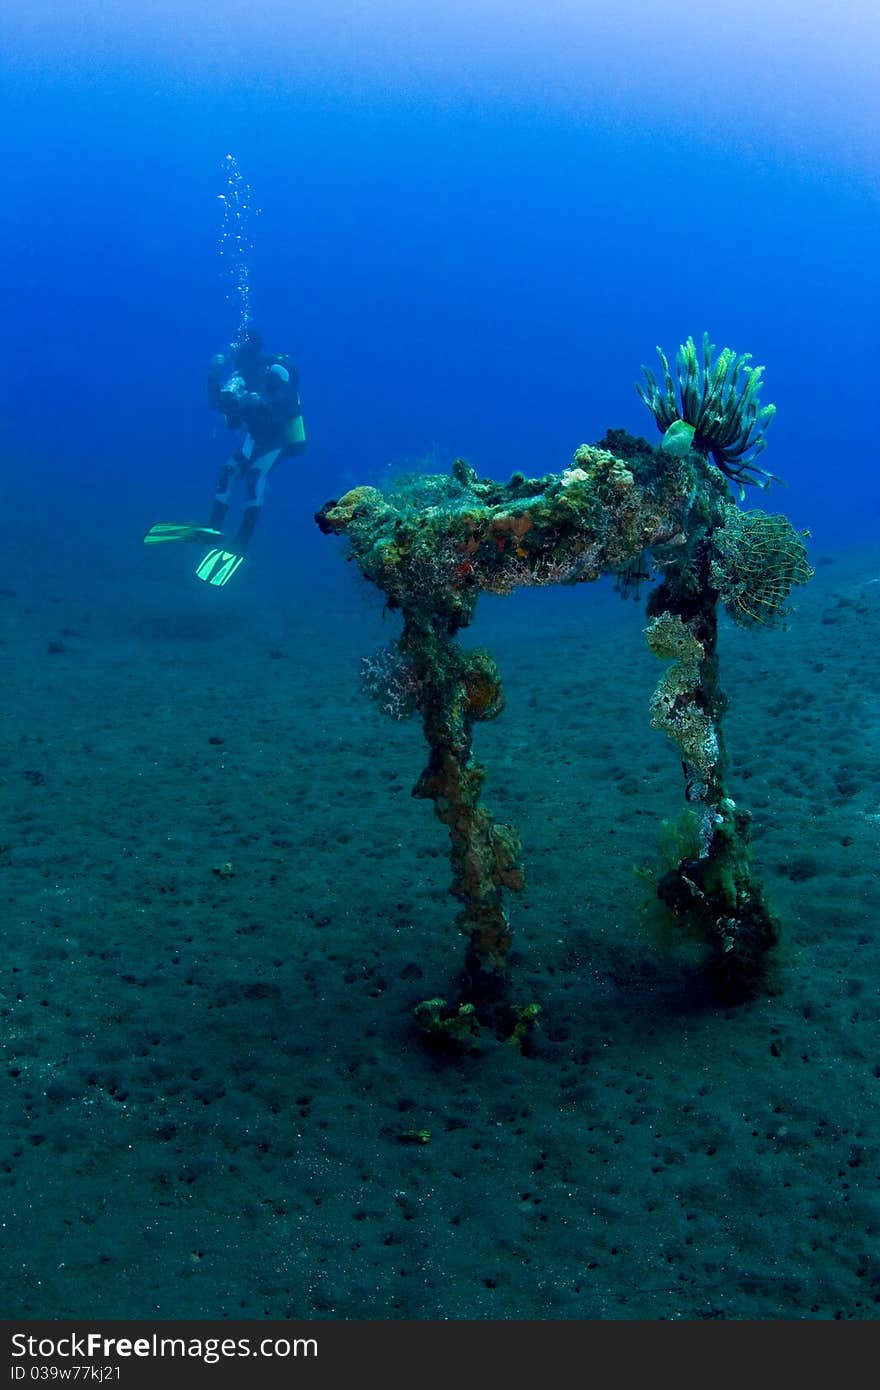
(432, 544)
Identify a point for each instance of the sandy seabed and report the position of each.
(221, 905)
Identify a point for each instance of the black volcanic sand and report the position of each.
(211, 1076)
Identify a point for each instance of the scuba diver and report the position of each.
(260, 398)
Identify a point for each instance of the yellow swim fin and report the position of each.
(218, 566)
(179, 531)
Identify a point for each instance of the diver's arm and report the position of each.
(215, 368)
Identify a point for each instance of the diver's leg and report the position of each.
(236, 463)
(220, 506)
(256, 476)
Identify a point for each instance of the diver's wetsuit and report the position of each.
(260, 397)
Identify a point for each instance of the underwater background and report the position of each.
(470, 226)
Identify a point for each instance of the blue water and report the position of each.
(475, 227)
(475, 223)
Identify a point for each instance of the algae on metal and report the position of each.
(432, 544)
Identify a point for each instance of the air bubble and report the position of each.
(236, 241)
